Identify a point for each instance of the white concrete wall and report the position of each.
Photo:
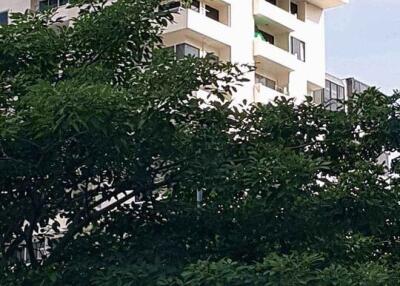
(242, 25)
(14, 6)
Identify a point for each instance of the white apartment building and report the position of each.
(283, 39)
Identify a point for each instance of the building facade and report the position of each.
(283, 39)
(337, 90)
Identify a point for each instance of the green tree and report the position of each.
(97, 113)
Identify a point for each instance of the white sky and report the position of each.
(363, 41)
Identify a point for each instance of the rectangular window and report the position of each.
(212, 13)
(298, 49)
(53, 3)
(341, 93)
(266, 37)
(340, 97)
(318, 96)
(4, 18)
(333, 96)
(183, 50)
(195, 5)
(294, 8)
(334, 91)
(49, 4)
(43, 5)
(265, 81)
(327, 92)
(272, 1)
(172, 6)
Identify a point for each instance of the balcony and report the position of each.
(196, 25)
(264, 94)
(326, 4)
(277, 19)
(277, 59)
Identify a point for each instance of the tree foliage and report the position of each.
(95, 114)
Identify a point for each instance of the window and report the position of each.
(334, 91)
(172, 6)
(195, 5)
(327, 92)
(298, 49)
(332, 96)
(272, 1)
(359, 87)
(265, 81)
(318, 96)
(265, 36)
(4, 18)
(294, 8)
(212, 13)
(49, 4)
(341, 93)
(183, 50)
(340, 97)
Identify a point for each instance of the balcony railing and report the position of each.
(265, 94)
(275, 54)
(281, 19)
(191, 23)
(176, 6)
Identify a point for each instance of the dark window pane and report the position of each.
(298, 49)
(327, 84)
(171, 6)
(4, 18)
(43, 5)
(272, 1)
(265, 36)
(212, 13)
(183, 50)
(195, 5)
(53, 3)
(294, 9)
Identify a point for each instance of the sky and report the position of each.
(363, 41)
